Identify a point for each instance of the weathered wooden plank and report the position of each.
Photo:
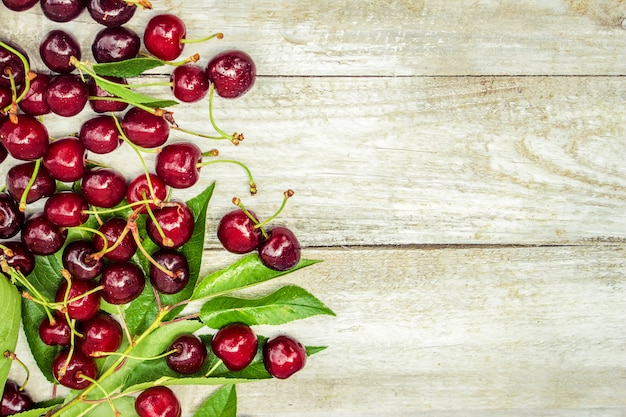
(425, 37)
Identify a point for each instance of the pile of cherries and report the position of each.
(101, 267)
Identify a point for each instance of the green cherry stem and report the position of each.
(253, 189)
(214, 368)
(124, 355)
(31, 182)
(104, 392)
(218, 35)
(235, 137)
(286, 195)
(12, 356)
(257, 225)
(27, 77)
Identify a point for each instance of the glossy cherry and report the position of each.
(98, 97)
(78, 261)
(113, 229)
(66, 209)
(41, 236)
(11, 218)
(232, 72)
(65, 159)
(100, 135)
(62, 10)
(56, 49)
(122, 282)
(101, 333)
(189, 83)
(283, 356)
(162, 36)
(14, 400)
(11, 65)
(111, 12)
(177, 223)
(176, 263)
(103, 187)
(236, 345)
(26, 140)
(18, 177)
(236, 232)
(157, 401)
(178, 164)
(190, 355)
(79, 306)
(34, 102)
(66, 95)
(79, 365)
(144, 128)
(113, 44)
(22, 258)
(19, 5)
(281, 250)
(57, 334)
(140, 190)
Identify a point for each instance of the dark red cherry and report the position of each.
(19, 5)
(78, 366)
(113, 44)
(237, 233)
(281, 250)
(14, 400)
(34, 102)
(145, 129)
(172, 261)
(157, 402)
(189, 83)
(140, 190)
(57, 334)
(22, 258)
(113, 229)
(232, 72)
(66, 209)
(78, 261)
(66, 95)
(162, 36)
(65, 159)
(283, 356)
(26, 140)
(56, 49)
(122, 282)
(100, 134)
(62, 10)
(83, 302)
(176, 222)
(111, 12)
(236, 345)
(18, 177)
(97, 94)
(41, 236)
(101, 333)
(103, 187)
(11, 64)
(11, 218)
(177, 164)
(190, 355)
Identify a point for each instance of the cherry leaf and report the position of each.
(244, 273)
(287, 304)
(133, 97)
(222, 403)
(10, 311)
(128, 68)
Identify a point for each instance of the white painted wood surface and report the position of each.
(459, 167)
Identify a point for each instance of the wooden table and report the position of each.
(459, 167)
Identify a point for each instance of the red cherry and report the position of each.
(177, 164)
(57, 334)
(14, 400)
(79, 365)
(65, 159)
(101, 333)
(236, 345)
(139, 190)
(103, 187)
(66, 209)
(157, 402)
(283, 356)
(237, 233)
(232, 72)
(177, 224)
(22, 260)
(190, 355)
(113, 229)
(41, 236)
(123, 282)
(18, 177)
(83, 307)
(145, 129)
(26, 140)
(163, 35)
(281, 250)
(189, 83)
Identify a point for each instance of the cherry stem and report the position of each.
(105, 240)
(166, 240)
(10, 355)
(106, 394)
(26, 72)
(149, 257)
(214, 368)
(218, 35)
(31, 182)
(124, 324)
(18, 277)
(253, 189)
(257, 224)
(235, 138)
(122, 208)
(6, 251)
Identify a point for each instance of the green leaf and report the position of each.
(36, 412)
(128, 68)
(144, 309)
(132, 96)
(244, 273)
(287, 304)
(125, 405)
(222, 403)
(10, 312)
